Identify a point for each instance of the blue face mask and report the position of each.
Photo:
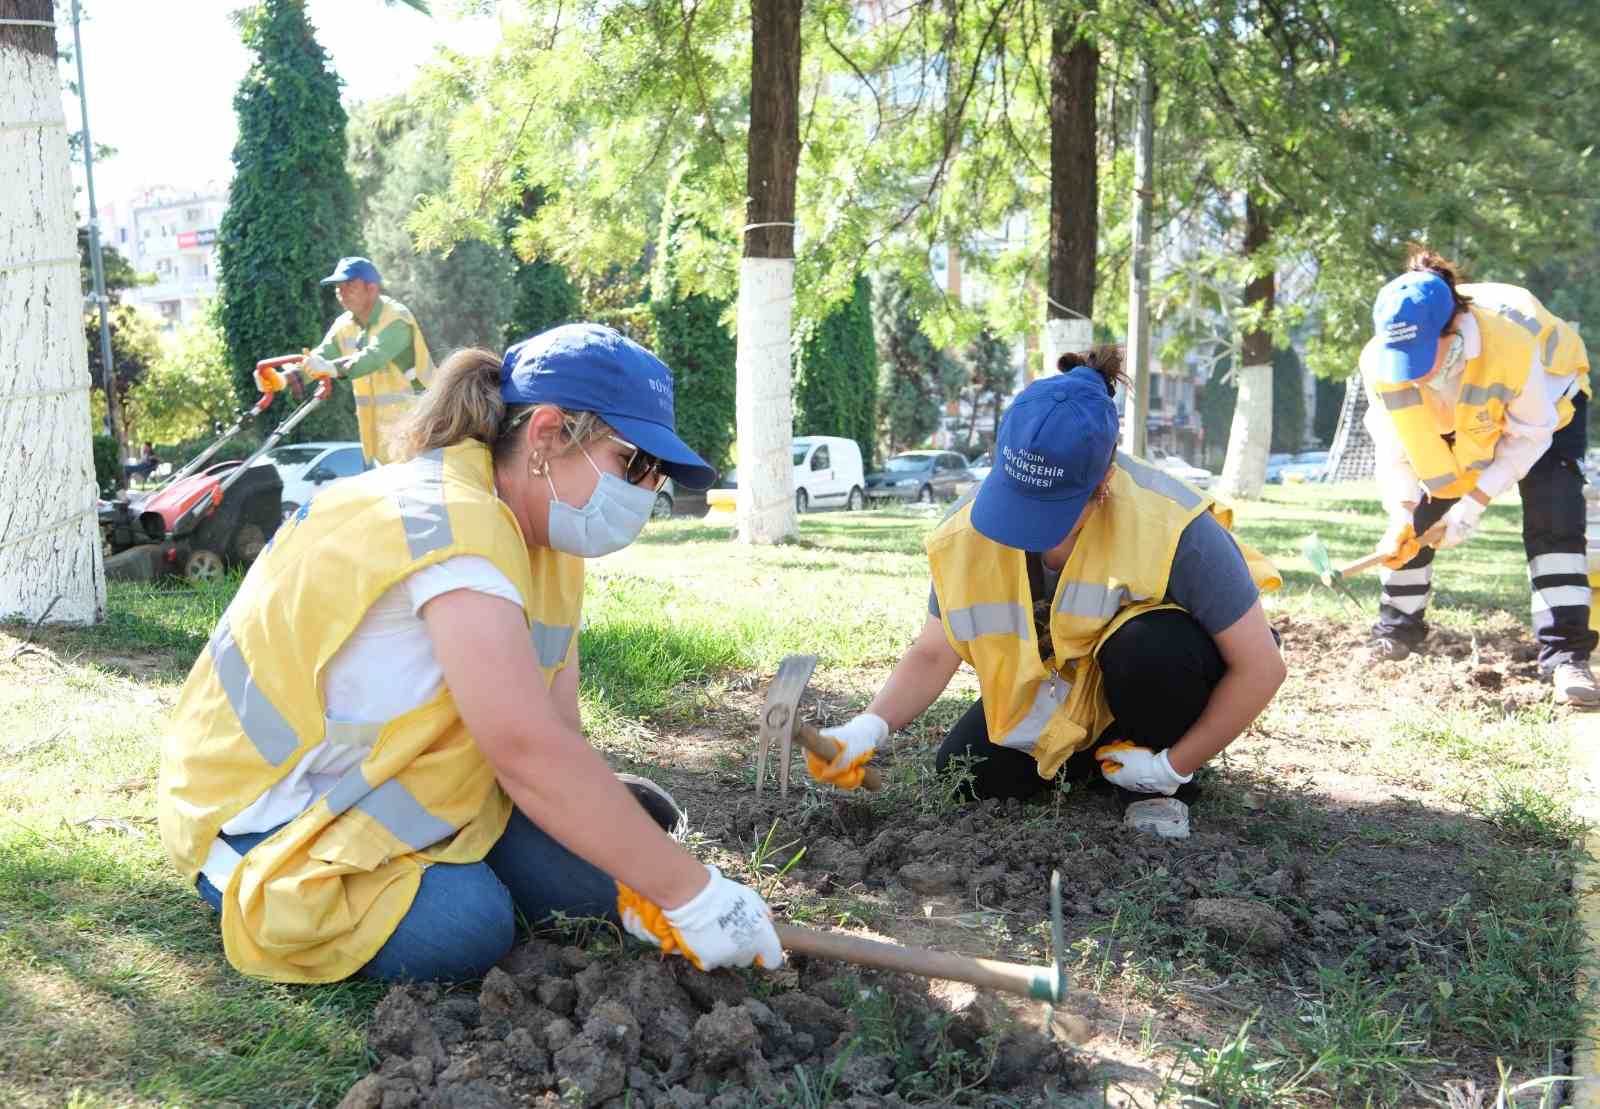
(614, 516)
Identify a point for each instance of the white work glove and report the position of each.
(724, 925)
(315, 366)
(857, 741)
(1461, 521)
(1139, 768)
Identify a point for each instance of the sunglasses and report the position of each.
(641, 464)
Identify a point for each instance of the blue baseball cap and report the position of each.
(349, 268)
(587, 367)
(1408, 317)
(1051, 453)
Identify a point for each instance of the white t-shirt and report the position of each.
(386, 667)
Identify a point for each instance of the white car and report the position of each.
(308, 468)
(1178, 468)
(827, 474)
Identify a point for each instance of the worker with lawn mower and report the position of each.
(378, 762)
(377, 344)
(1474, 388)
(1113, 620)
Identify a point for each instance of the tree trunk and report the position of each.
(1074, 192)
(765, 408)
(49, 536)
(1138, 405)
(1244, 470)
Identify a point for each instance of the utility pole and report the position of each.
(109, 373)
(1133, 439)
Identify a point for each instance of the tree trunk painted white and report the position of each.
(49, 536)
(764, 410)
(1244, 470)
(1061, 335)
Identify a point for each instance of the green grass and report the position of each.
(113, 989)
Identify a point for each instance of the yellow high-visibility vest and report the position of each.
(383, 397)
(315, 901)
(1520, 336)
(1117, 570)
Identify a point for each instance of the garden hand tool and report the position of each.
(1040, 983)
(1316, 553)
(780, 725)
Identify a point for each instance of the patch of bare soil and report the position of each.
(1304, 857)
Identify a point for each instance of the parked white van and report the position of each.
(828, 474)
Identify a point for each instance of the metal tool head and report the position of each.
(779, 713)
(1316, 552)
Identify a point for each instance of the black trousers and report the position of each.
(1552, 537)
(1159, 671)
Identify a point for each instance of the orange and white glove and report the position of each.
(1139, 768)
(724, 925)
(314, 366)
(1400, 540)
(857, 741)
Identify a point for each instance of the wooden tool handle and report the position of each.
(825, 749)
(1430, 538)
(1018, 978)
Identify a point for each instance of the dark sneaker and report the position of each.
(1575, 685)
(1389, 650)
(658, 803)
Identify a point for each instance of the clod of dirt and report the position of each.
(1241, 923)
(595, 1062)
(476, 1094)
(400, 1026)
(931, 878)
(500, 995)
(724, 1037)
(1486, 678)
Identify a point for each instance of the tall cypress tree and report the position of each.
(836, 382)
(291, 210)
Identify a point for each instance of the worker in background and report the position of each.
(377, 344)
(1476, 388)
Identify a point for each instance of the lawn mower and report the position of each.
(199, 522)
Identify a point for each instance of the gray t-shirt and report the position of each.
(1209, 577)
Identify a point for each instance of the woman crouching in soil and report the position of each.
(1113, 620)
(377, 762)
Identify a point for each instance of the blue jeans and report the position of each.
(464, 918)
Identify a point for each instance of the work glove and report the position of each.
(857, 741)
(1139, 768)
(1400, 541)
(315, 366)
(724, 925)
(1461, 521)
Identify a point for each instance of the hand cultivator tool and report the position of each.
(198, 521)
(780, 724)
(1316, 553)
(1038, 983)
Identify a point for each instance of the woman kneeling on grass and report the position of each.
(377, 762)
(1113, 621)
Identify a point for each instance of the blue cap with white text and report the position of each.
(587, 367)
(1408, 317)
(1051, 453)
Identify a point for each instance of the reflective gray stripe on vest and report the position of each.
(1550, 345)
(1481, 464)
(260, 720)
(1434, 484)
(1158, 481)
(422, 506)
(382, 399)
(1091, 599)
(995, 618)
(1527, 323)
(1402, 398)
(1482, 394)
(1050, 696)
(550, 642)
(392, 806)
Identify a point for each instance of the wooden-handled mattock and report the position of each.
(1041, 983)
(780, 726)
